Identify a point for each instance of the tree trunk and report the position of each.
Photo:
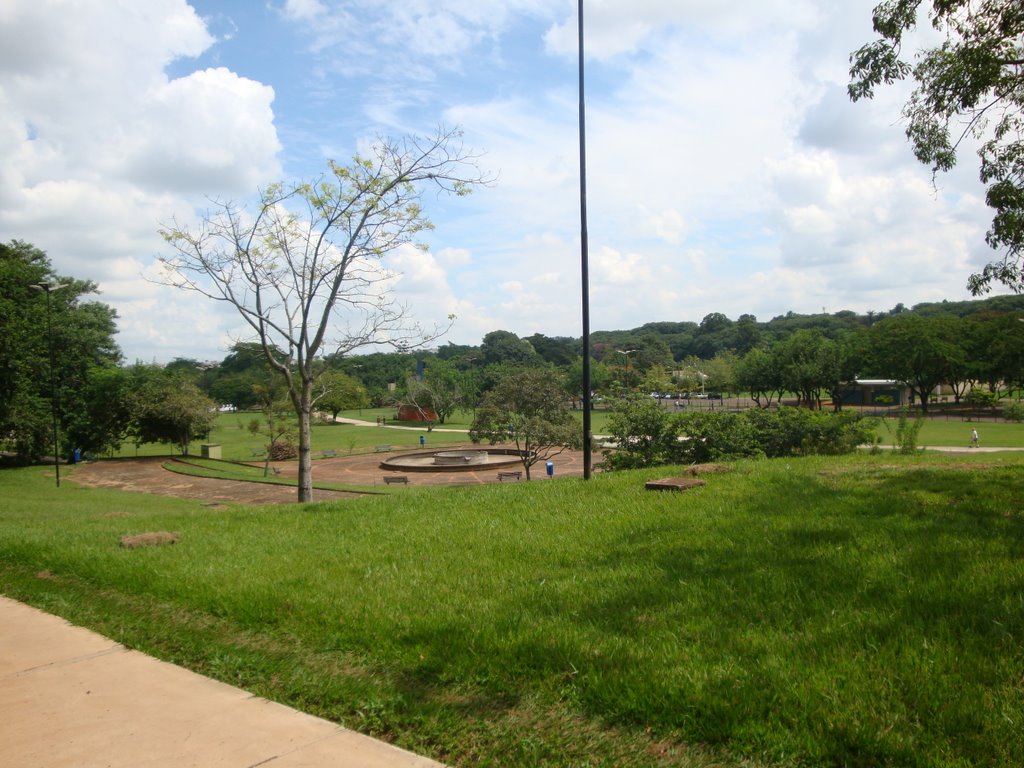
(922, 393)
(305, 458)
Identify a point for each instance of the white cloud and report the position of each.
(617, 27)
(211, 130)
(727, 169)
(101, 145)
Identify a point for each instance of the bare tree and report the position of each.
(315, 250)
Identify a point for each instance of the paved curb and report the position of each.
(70, 697)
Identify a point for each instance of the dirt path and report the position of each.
(148, 476)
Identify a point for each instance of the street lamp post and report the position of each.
(584, 256)
(629, 368)
(48, 288)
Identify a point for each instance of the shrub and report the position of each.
(715, 437)
(1014, 411)
(982, 399)
(906, 432)
(798, 431)
(646, 436)
(282, 450)
(644, 433)
(833, 434)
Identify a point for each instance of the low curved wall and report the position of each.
(424, 461)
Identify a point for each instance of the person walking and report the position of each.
(974, 438)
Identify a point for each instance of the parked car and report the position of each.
(714, 395)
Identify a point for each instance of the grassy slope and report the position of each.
(864, 611)
(237, 443)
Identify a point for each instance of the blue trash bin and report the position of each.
(76, 455)
(423, 440)
(551, 468)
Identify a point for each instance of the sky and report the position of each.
(727, 171)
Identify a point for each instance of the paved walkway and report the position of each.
(70, 698)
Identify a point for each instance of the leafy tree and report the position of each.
(758, 373)
(720, 371)
(170, 409)
(339, 392)
(379, 372)
(105, 419)
(236, 389)
(970, 85)
(622, 370)
(600, 376)
(82, 335)
(918, 351)
(747, 334)
(187, 366)
(715, 322)
(463, 352)
(690, 374)
(313, 249)
(235, 379)
(802, 361)
(504, 347)
(529, 408)
(840, 360)
(649, 351)
(557, 350)
(442, 389)
(657, 381)
(995, 343)
(715, 334)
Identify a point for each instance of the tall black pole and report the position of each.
(54, 406)
(584, 262)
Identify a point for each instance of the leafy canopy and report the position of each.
(970, 86)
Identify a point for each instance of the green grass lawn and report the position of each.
(860, 611)
(942, 432)
(252, 473)
(238, 444)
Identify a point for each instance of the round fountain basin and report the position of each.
(453, 460)
(458, 458)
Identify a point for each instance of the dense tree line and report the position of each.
(101, 403)
(35, 385)
(60, 367)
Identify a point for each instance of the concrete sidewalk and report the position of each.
(70, 697)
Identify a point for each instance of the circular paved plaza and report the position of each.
(149, 476)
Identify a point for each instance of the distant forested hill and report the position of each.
(717, 333)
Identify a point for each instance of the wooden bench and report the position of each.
(382, 448)
(330, 453)
(503, 476)
(401, 479)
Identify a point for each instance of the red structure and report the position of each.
(415, 413)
